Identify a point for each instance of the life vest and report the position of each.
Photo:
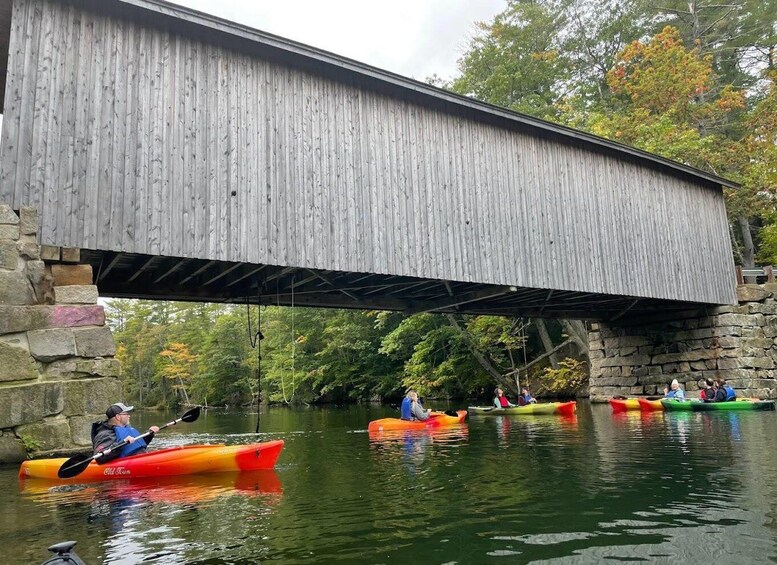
(406, 412)
(730, 393)
(122, 433)
(503, 401)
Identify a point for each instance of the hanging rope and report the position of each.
(255, 339)
(524, 340)
(293, 350)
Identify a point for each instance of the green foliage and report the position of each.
(514, 61)
(568, 379)
(30, 444)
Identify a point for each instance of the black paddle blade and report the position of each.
(452, 413)
(191, 415)
(74, 466)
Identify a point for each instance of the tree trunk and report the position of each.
(501, 380)
(577, 333)
(748, 249)
(735, 245)
(546, 341)
(183, 388)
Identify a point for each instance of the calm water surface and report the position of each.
(691, 488)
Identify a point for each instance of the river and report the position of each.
(656, 487)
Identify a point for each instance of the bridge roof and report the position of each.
(186, 20)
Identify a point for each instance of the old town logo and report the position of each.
(117, 471)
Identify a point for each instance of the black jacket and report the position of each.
(104, 436)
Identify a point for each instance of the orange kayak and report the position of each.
(436, 420)
(187, 460)
(650, 405)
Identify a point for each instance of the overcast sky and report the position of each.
(414, 38)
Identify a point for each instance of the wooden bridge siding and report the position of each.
(133, 139)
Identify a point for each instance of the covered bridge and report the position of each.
(194, 158)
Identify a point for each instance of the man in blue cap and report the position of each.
(115, 430)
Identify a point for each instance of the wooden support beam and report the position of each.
(279, 273)
(142, 268)
(222, 274)
(102, 273)
(170, 271)
(626, 309)
(205, 267)
(245, 276)
(466, 298)
(547, 299)
(345, 292)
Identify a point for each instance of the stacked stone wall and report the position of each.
(737, 343)
(57, 371)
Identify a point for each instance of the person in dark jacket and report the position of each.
(724, 393)
(116, 429)
(708, 391)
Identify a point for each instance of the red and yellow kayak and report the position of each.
(648, 405)
(186, 460)
(624, 404)
(436, 420)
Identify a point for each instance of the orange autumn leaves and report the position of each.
(667, 103)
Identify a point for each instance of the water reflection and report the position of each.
(185, 489)
(412, 445)
(690, 487)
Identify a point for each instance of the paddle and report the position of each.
(78, 463)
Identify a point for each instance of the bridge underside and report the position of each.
(124, 275)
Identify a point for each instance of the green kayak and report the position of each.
(696, 405)
(563, 408)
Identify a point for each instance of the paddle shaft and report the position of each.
(124, 442)
(76, 465)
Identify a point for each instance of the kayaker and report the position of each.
(405, 409)
(674, 391)
(116, 429)
(526, 397)
(723, 392)
(500, 400)
(416, 410)
(731, 394)
(708, 392)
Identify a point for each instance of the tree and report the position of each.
(179, 366)
(514, 61)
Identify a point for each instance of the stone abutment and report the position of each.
(57, 366)
(737, 343)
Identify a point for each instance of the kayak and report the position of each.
(696, 405)
(563, 408)
(436, 420)
(647, 405)
(624, 404)
(186, 460)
